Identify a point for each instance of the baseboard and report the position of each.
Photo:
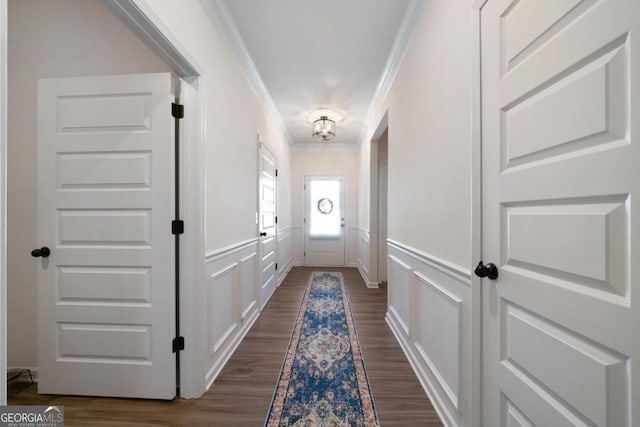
(426, 383)
(370, 285)
(287, 268)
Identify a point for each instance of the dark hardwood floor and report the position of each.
(241, 396)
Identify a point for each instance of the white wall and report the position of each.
(49, 39)
(83, 37)
(429, 199)
(324, 163)
(233, 119)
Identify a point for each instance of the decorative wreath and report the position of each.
(325, 206)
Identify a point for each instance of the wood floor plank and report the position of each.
(241, 395)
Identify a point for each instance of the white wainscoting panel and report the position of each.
(232, 301)
(363, 257)
(399, 292)
(297, 245)
(223, 318)
(429, 311)
(353, 238)
(248, 279)
(284, 252)
(437, 337)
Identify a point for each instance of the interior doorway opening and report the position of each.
(383, 188)
(378, 203)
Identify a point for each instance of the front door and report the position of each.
(106, 314)
(324, 240)
(267, 223)
(561, 183)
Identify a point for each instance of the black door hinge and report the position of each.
(276, 265)
(178, 344)
(177, 226)
(276, 172)
(276, 219)
(177, 110)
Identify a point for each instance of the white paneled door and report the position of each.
(106, 313)
(561, 183)
(324, 231)
(267, 222)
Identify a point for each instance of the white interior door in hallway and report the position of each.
(268, 223)
(106, 302)
(324, 222)
(561, 82)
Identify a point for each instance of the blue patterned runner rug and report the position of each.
(323, 382)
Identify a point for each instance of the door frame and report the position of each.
(373, 279)
(3, 202)
(141, 19)
(476, 213)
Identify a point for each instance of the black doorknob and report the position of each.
(263, 234)
(490, 270)
(42, 252)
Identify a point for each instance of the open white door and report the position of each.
(561, 185)
(267, 222)
(106, 303)
(324, 241)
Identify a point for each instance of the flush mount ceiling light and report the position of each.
(324, 129)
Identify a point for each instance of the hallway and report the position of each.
(242, 393)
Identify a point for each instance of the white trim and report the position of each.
(457, 303)
(363, 274)
(222, 21)
(3, 202)
(141, 19)
(284, 234)
(228, 250)
(192, 244)
(365, 235)
(150, 28)
(425, 381)
(399, 48)
(215, 370)
(455, 271)
(476, 392)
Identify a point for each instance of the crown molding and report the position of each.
(223, 22)
(399, 48)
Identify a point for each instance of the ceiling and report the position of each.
(309, 56)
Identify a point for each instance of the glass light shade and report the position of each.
(324, 129)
